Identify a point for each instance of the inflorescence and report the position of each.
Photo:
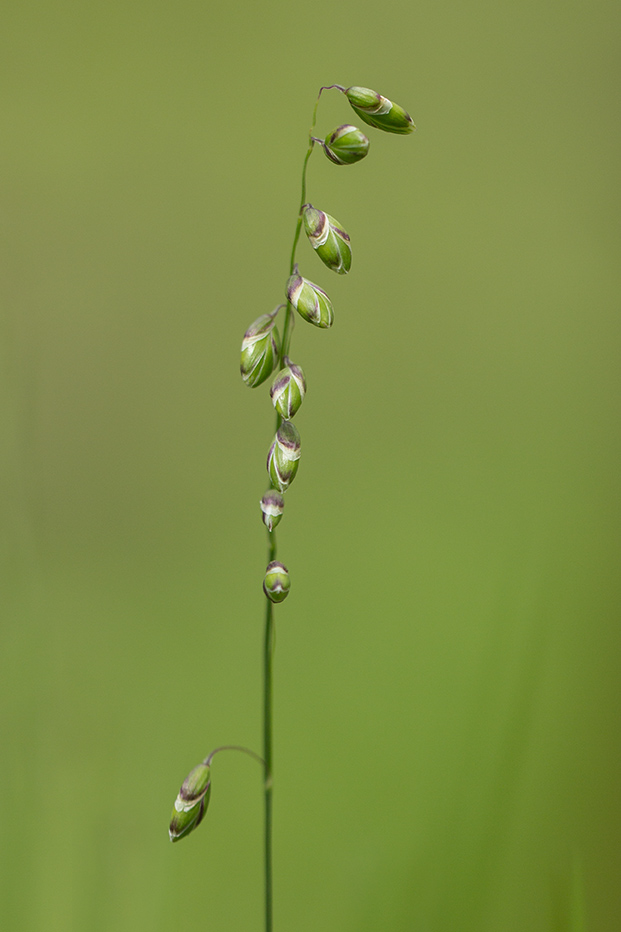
(263, 352)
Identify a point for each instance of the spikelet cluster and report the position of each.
(262, 354)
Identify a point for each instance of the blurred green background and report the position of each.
(447, 695)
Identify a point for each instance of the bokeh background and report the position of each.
(447, 665)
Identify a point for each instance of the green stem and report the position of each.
(268, 657)
(268, 645)
(233, 747)
(288, 327)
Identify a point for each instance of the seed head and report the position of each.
(284, 456)
(272, 506)
(288, 390)
(346, 145)
(276, 584)
(328, 239)
(378, 111)
(259, 350)
(191, 802)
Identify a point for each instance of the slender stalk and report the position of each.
(268, 657)
(233, 747)
(268, 646)
(288, 326)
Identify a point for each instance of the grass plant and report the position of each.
(264, 353)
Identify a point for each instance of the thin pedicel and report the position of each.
(263, 353)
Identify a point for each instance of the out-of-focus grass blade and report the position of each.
(569, 912)
(577, 915)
